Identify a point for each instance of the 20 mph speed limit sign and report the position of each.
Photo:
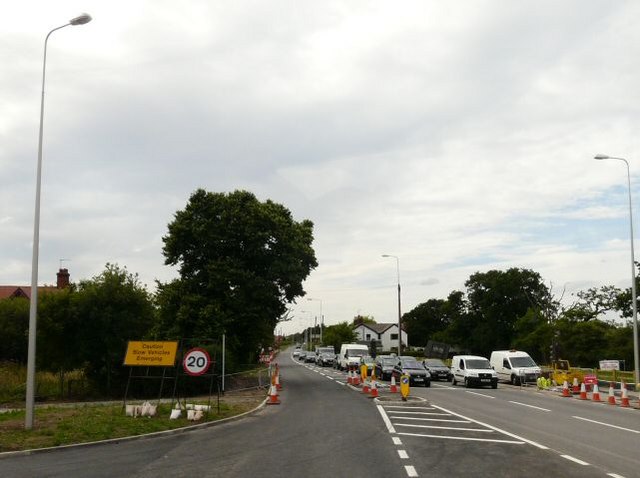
(196, 362)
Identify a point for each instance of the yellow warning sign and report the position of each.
(404, 386)
(151, 354)
(363, 372)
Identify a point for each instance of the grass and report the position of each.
(66, 425)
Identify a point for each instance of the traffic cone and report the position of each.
(624, 400)
(273, 396)
(576, 385)
(565, 389)
(365, 387)
(612, 396)
(394, 387)
(278, 386)
(583, 392)
(350, 376)
(356, 378)
(374, 389)
(595, 396)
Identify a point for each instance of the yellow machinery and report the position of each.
(562, 371)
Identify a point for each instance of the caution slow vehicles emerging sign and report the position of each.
(151, 354)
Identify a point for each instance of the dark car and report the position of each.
(310, 357)
(418, 375)
(302, 355)
(384, 366)
(325, 359)
(437, 369)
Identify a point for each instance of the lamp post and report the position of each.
(633, 273)
(308, 331)
(33, 304)
(399, 308)
(321, 317)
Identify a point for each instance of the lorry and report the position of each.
(515, 366)
(350, 355)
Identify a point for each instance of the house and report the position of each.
(386, 334)
(8, 291)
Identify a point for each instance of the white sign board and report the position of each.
(609, 364)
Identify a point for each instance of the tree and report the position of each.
(110, 309)
(431, 318)
(338, 334)
(14, 326)
(363, 319)
(241, 262)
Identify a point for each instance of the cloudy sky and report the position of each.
(458, 137)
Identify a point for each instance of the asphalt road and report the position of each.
(326, 428)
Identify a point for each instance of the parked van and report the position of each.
(473, 370)
(350, 355)
(514, 366)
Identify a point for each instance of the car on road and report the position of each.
(473, 370)
(325, 356)
(350, 354)
(302, 355)
(437, 369)
(310, 357)
(384, 366)
(418, 375)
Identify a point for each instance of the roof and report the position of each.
(379, 328)
(8, 291)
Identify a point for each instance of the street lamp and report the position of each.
(633, 273)
(308, 330)
(399, 308)
(33, 304)
(321, 318)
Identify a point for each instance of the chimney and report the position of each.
(63, 279)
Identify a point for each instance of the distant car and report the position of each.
(384, 366)
(369, 362)
(310, 357)
(437, 369)
(302, 355)
(325, 359)
(418, 375)
(296, 353)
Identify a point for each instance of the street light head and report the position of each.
(386, 255)
(80, 19)
(601, 156)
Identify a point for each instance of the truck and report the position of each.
(515, 366)
(350, 355)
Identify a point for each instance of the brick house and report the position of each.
(9, 291)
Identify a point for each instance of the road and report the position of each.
(324, 427)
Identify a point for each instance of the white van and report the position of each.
(350, 355)
(472, 370)
(514, 366)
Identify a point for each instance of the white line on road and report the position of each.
(409, 408)
(462, 438)
(419, 413)
(403, 454)
(431, 419)
(386, 420)
(575, 460)
(530, 442)
(483, 430)
(530, 406)
(480, 394)
(330, 378)
(411, 471)
(607, 425)
(614, 475)
(396, 441)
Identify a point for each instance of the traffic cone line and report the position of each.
(565, 389)
(394, 387)
(583, 392)
(624, 400)
(595, 396)
(273, 396)
(612, 397)
(576, 385)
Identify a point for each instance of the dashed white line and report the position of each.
(607, 425)
(411, 471)
(575, 460)
(530, 406)
(481, 394)
(403, 454)
(396, 441)
(614, 475)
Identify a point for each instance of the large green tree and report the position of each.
(429, 320)
(338, 334)
(14, 326)
(241, 262)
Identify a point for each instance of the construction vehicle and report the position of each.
(562, 371)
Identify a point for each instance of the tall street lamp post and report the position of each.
(321, 317)
(399, 308)
(33, 304)
(633, 274)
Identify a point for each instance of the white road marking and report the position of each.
(444, 437)
(431, 419)
(530, 442)
(403, 454)
(530, 406)
(409, 408)
(483, 430)
(607, 425)
(480, 394)
(419, 413)
(341, 383)
(396, 441)
(386, 420)
(411, 471)
(575, 460)
(614, 475)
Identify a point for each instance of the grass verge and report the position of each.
(66, 425)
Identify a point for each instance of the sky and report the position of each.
(457, 136)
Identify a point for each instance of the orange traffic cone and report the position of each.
(565, 389)
(595, 396)
(624, 400)
(612, 396)
(273, 396)
(278, 386)
(374, 389)
(583, 392)
(356, 377)
(394, 387)
(576, 385)
(365, 387)
(350, 376)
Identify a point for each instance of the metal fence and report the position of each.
(247, 380)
